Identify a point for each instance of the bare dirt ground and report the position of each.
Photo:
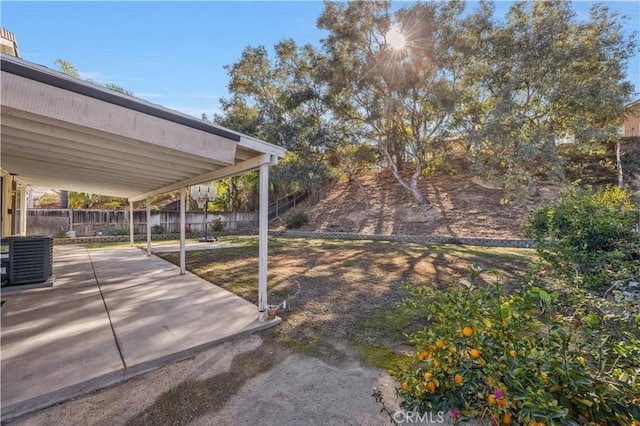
(249, 381)
(462, 205)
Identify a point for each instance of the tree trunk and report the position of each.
(412, 185)
(619, 164)
(363, 190)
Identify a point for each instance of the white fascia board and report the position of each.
(238, 169)
(257, 145)
(38, 98)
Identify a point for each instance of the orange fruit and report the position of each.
(506, 320)
(512, 353)
(467, 331)
(405, 386)
(452, 349)
(506, 419)
(420, 357)
(501, 403)
(440, 344)
(427, 375)
(474, 353)
(458, 379)
(491, 399)
(437, 363)
(431, 386)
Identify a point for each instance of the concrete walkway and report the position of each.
(111, 314)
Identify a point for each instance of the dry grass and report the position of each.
(348, 290)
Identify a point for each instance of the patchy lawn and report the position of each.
(342, 295)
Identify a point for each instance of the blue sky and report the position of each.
(173, 53)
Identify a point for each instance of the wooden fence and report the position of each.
(88, 223)
(93, 222)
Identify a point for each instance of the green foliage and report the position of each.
(157, 229)
(540, 76)
(488, 354)
(300, 173)
(218, 225)
(589, 238)
(78, 200)
(82, 200)
(279, 100)
(296, 219)
(238, 193)
(510, 87)
(66, 67)
(118, 88)
(114, 204)
(404, 99)
(61, 234)
(121, 230)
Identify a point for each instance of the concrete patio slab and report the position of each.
(159, 315)
(112, 313)
(55, 345)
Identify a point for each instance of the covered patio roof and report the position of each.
(64, 133)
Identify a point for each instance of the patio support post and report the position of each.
(23, 210)
(263, 246)
(148, 226)
(131, 223)
(183, 268)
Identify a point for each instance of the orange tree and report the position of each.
(589, 238)
(487, 354)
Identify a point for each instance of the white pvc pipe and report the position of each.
(24, 205)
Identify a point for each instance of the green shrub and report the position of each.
(157, 229)
(218, 225)
(588, 238)
(486, 354)
(61, 234)
(121, 230)
(296, 219)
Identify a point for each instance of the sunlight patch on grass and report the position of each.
(107, 245)
(381, 356)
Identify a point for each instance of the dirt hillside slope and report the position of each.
(462, 205)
